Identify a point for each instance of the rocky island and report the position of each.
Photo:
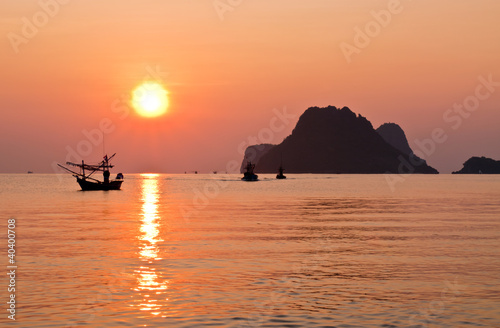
(480, 165)
(333, 140)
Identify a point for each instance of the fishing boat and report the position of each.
(280, 173)
(87, 182)
(280, 170)
(248, 175)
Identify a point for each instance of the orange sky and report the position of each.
(225, 76)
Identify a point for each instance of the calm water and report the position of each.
(210, 250)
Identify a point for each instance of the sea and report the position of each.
(209, 250)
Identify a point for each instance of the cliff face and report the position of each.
(332, 140)
(254, 153)
(478, 165)
(395, 136)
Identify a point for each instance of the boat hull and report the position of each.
(91, 185)
(250, 177)
(280, 177)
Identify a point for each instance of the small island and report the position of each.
(480, 165)
(336, 140)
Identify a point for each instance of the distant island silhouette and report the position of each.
(333, 140)
(480, 165)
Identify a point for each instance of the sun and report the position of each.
(150, 99)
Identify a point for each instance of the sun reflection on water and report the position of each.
(150, 285)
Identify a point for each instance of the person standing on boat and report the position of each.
(105, 172)
(106, 176)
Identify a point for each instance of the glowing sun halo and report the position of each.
(150, 99)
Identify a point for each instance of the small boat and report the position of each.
(249, 175)
(30, 172)
(85, 180)
(280, 170)
(280, 173)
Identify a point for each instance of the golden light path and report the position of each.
(150, 99)
(150, 286)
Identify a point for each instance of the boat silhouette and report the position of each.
(280, 173)
(248, 175)
(280, 170)
(85, 180)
